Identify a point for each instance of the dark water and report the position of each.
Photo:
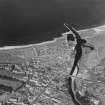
(33, 21)
(71, 92)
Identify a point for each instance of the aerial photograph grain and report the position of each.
(52, 52)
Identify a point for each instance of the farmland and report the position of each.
(37, 74)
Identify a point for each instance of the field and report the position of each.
(37, 74)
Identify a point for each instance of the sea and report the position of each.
(24, 22)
